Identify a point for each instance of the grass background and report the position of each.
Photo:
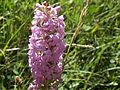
(92, 57)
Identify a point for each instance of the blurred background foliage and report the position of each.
(93, 61)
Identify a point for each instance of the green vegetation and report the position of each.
(92, 57)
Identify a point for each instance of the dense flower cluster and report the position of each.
(46, 45)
